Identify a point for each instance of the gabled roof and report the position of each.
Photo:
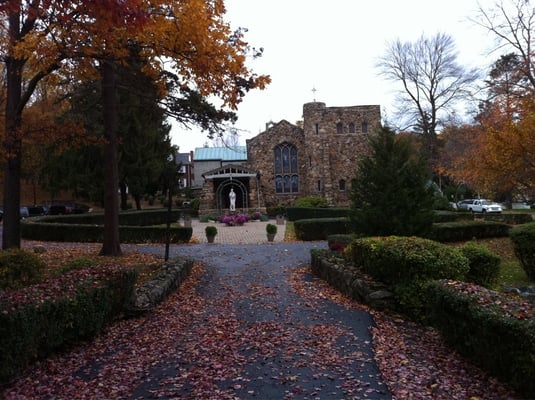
(237, 153)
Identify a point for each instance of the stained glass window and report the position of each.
(286, 165)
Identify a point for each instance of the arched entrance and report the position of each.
(218, 184)
(223, 190)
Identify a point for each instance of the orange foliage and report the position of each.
(497, 155)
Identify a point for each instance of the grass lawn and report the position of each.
(511, 272)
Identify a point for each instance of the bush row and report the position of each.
(67, 232)
(38, 320)
(494, 333)
(320, 228)
(296, 213)
(410, 266)
(127, 218)
(407, 264)
(466, 230)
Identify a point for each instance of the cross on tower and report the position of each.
(314, 90)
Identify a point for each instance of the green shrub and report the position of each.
(195, 203)
(312, 201)
(395, 259)
(296, 213)
(19, 268)
(523, 237)
(271, 229)
(276, 210)
(44, 318)
(466, 230)
(320, 228)
(450, 216)
(76, 264)
(489, 328)
(484, 265)
(147, 226)
(407, 264)
(210, 230)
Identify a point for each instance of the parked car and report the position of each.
(24, 212)
(465, 204)
(68, 208)
(36, 210)
(485, 206)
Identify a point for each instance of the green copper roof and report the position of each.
(237, 153)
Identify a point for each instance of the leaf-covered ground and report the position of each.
(246, 341)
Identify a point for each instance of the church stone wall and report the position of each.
(260, 153)
(329, 144)
(335, 141)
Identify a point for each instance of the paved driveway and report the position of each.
(288, 346)
(254, 326)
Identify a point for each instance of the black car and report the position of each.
(35, 211)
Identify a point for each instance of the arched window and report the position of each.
(339, 128)
(342, 185)
(364, 128)
(286, 168)
(351, 127)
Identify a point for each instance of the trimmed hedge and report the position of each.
(496, 340)
(407, 264)
(467, 230)
(523, 238)
(320, 228)
(19, 268)
(41, 319)
(510, 218)
(297, 213)
(126, 218)
(451, 216)
(66, 232)
(484, 265)
(395, 259)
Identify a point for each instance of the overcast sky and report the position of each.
(333, 47)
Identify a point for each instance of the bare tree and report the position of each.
(513, 24)
(230, 138)
(432, 83)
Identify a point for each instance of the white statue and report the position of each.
(232, 197)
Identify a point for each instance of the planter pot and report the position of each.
(271, 237)
(210, 239)
(280, 220)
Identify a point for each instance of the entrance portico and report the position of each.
(218, 184)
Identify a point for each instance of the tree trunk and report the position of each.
(137, 199)
(111, 244)
(13, 146)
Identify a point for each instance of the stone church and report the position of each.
(287, 161)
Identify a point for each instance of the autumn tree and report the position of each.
(87, 40)
(431, 81)
(495, 154)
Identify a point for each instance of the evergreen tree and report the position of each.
(391, 193)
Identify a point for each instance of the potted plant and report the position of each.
(271, 231)
(211, 232)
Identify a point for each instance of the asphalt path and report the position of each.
(305, 350)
